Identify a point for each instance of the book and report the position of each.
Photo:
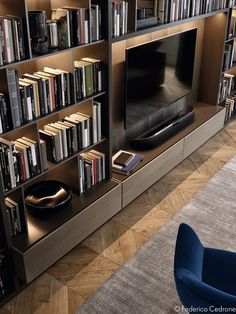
(14, 97)
(126, 170)
(14, 209)
(49, 139)
(37, 23)
(63, 27)
(97, 73)
(5, 114)
(43, 149)
(98, 114)
(96, 22)
(92, 166)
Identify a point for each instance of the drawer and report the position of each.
(140, 181)
(47, 251)
(203, 133)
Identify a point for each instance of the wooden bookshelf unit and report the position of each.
(45, 239)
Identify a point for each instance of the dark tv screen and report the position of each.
(157, 75)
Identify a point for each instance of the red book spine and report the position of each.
(22, 167)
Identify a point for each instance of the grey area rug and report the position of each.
(145, 283)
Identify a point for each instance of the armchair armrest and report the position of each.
(209, 295)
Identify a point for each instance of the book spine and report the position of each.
(20, 29)
(2, 43)
(89, 80)
(13, 88)
(14, 39)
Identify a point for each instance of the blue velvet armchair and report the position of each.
(205, 277)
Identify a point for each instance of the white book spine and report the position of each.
(1, 128)
(29, 108)
(118, 24)
(95, 135)
(115, 20)
(100, 81)
(126, 17)
(11, 40)
(123, 17)
(33, 152)
(86, 31)
(8, 42)
(99, 121)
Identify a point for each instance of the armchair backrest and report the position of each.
(188, 265)
(189, 251)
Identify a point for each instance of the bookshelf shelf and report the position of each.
(52, 114)
(42, 226)
(165, 26)
(52, 53)
(53, 166)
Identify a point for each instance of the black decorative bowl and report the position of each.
(46, 196)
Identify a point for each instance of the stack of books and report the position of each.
(13, 216)
(12, 47)
(74, 133)
(119, 18)
(230, 105)
(124, 162)
(88, 77)
(227, 86)
(92, 169)
(19, 161)
(35, 95)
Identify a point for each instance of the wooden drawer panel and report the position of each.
(46, 252)
(203, 133)
(150, 173)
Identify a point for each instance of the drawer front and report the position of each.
(40, 257)
(203, 133)
(150, 173)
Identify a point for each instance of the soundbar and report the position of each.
(163, 131)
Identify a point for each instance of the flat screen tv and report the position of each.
(158, 74)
